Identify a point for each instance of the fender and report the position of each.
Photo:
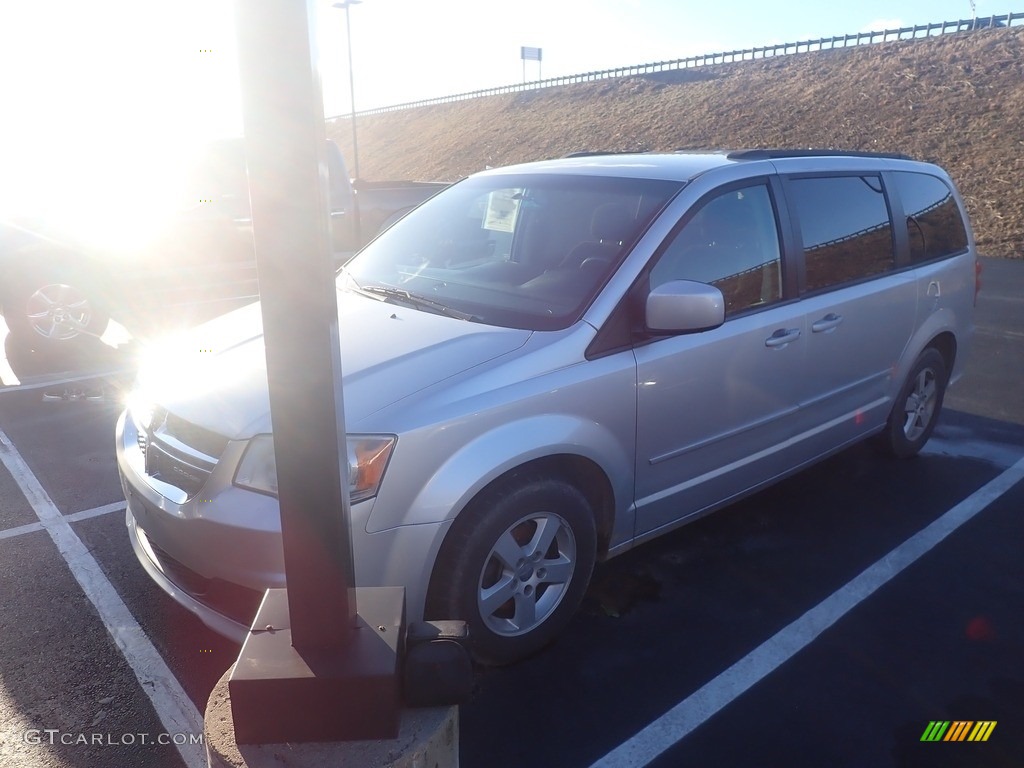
(944, 320)
(502, 449)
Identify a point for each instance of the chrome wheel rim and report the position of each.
(526, 574)
(58, 312)
(920, 405)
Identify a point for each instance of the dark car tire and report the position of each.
(917, 406)
(515, 566)
(35, 302)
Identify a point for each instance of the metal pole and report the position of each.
(352, 92)
(286, 143)
(312, 668)
(346, 4)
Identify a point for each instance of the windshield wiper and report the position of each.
(400, 295)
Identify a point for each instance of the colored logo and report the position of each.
(958, 730)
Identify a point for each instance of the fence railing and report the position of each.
(724, 57)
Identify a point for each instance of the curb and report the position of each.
(427, 738)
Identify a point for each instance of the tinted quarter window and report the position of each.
(732, 243)
(844, 222)
(934, 226)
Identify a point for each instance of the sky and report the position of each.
(100, 94)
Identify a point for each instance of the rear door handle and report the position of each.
(782, 337)
(828, 323)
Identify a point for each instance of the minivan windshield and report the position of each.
(526, 251)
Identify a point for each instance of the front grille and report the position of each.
(178, 452)
(173, 466)
(203, 440)
(155, 418)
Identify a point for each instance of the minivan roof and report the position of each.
(681, 165)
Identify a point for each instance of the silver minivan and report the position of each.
(548, 364)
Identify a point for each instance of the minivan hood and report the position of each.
(215, 376)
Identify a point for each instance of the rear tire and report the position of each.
(515, 567)
(917, 406)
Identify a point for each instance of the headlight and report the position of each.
(257, 470)
(367, 459)
(140, 410)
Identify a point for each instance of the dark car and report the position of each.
(56, 289)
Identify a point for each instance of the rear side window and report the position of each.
(845, 226)
(934, 226)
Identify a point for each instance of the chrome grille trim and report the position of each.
(201, 441)
(180, 450)
(171, 460)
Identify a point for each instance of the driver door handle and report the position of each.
(782, 337)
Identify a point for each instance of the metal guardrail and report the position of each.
(724, 57)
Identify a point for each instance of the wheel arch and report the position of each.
(946, 345)
(940, 332)
(593, 456)
(579, 471)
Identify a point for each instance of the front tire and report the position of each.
(917, 406)
(515, 567)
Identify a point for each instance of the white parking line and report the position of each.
(21, 530)
(176, 711)
(106, 509)
(59, 382)
(988, 330)
(704, 703)
(86, 514)
(7, 375)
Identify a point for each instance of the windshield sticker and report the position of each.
(502, 209)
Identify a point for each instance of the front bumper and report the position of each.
(217, 553)
(233, 628)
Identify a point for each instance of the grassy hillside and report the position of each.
(957, 100)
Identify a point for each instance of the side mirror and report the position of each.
(684, 306)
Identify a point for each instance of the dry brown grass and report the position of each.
(957, 100)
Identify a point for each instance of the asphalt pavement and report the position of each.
(992, 385)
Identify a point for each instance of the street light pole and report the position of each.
(346, 4)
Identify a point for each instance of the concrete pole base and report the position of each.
(427, 738)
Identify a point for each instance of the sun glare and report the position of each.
(109, 100)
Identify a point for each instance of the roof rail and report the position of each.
(776, 154)
(697, 151)
(598, 153)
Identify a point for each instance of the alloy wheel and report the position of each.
(920, 405)
(526, 574)
(58, 312)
